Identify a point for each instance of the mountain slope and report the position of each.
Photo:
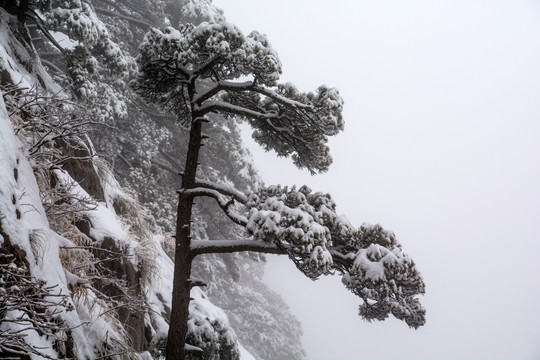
(84, 241)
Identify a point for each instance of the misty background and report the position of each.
(441, 145)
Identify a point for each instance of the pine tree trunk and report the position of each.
(183, 255)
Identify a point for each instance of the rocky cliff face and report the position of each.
(82, 269)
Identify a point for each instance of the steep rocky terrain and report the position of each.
(87, 181)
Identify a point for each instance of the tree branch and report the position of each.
(221, 200)
(224, 190)
(51, 66)
(249, 86)
(223, 86)
(40, 24)
(218, 106)
(143, 24)
(229, 246)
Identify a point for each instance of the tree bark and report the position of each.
(183, 254)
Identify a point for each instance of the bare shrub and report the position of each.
(52, 129)
(27, 305)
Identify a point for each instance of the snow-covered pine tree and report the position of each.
(195, 72)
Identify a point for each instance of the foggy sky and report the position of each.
(441, 146)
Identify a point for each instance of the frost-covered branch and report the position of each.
(305, 226)
(40, 24)
(53, 126)
(227, 108)
(27, 306)
(222, 86)
(50, 65)
(222, 189)
(249, 86)
(229, 246)
(223, 202)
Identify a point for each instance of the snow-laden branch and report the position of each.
(32, 14)
(223, 189)
(220, 106)
(305, 225)
(229, 246)
(224, 203)
(231, 86)
(266, 117)
(271, 93)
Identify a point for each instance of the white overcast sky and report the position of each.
(441, 145)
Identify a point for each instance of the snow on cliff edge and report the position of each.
(94, 326)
